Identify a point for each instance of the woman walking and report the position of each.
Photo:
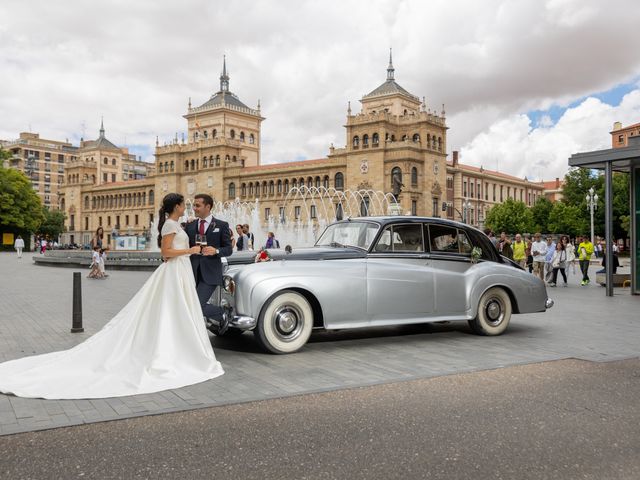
(19, 245)
(559, 262)
(96, 271)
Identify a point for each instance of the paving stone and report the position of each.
(584, 324)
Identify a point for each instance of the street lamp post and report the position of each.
(592, 204)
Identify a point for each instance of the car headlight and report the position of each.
(229, 285)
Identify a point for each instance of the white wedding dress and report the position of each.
(158, 341)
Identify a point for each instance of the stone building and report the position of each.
(394, 144)
(620, 135)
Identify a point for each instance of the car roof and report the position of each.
(391, 219)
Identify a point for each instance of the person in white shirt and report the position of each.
(539, 252)
(19, 245)
(103, 259)
(243, 240)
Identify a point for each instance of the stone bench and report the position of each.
(115, 260)
(619, 279)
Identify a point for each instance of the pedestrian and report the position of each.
(242, 244)
(559, 262)
(95, 264)
(98, 238)
(571, 255)
(585, 250)
(529, 264)
(539, 252)
(19, 245)
(548, 269)
(103, 261)
(233, 240)
(519, 251)
(504, 246)
(272, 242)
(43, 246)
(245, 229)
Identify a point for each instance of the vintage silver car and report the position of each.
(375, 271)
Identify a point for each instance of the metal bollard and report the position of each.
(77, 304)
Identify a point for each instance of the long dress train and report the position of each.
(158, 341)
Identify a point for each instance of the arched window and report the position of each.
(86, 202)
(439, 144)
(271, 187)
(217, 160)
(286, 185)
(356, 141)
(171, 165)
(242, 136)
(264, 189)
(252, 139)
(414, 177)
(317, 182)
(105, 160)
(404, 137)
(396, 171)
(416, 138)
(251, 188)
(62, 204)
(113, 161)
(405, 111)
(195, 137)
(214, 133)
(310, 182)
(365, 140)
(243, 190)
(205, 134)
(152, 200)
(375, 139)
(339, 181)
(227, 158)
(428, 140)
(93, 203)
(166, 166)
(279, 186)
(160, 168)
(232, 190)
(204, 162)
(393, 137)
(232, 134)
(193, 164)
(325, 182)
(186, 164)
(93, 178)
(294, 183)
(144, 198)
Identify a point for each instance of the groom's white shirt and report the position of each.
(207, 222)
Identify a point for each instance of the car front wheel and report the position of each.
(494, 313)
(285, 323)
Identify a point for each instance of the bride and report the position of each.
(158, 341)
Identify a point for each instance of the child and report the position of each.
(103, 260)
(95, 272)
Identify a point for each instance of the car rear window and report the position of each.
(446, 239)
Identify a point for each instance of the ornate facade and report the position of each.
(394, 143)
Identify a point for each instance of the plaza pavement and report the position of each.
(35, 317)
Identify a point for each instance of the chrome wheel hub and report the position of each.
(494, 311)
(288, 321)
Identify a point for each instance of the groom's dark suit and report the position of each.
(208, 269)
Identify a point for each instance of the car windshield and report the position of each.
(348, 234)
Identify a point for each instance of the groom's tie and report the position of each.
(202, 222)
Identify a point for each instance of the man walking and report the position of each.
(539, 252)
(585, 250)
(519, 251)
(19, 245)
(207, 267)
(548, 268)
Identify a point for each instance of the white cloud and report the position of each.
(512, 145)
(136, 63)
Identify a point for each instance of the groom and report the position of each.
(207, 268)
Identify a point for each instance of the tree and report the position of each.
(4, 155)
(53, 223)
(20, 207)
(566, 219)
(540, 212)
(511, 216)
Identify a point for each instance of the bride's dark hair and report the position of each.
(169, 204)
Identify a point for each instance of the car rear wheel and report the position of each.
(285, 323)
(494, 313)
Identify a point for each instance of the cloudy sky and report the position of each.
(525, 83)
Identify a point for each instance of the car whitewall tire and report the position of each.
(494, 312)
(285, 323)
